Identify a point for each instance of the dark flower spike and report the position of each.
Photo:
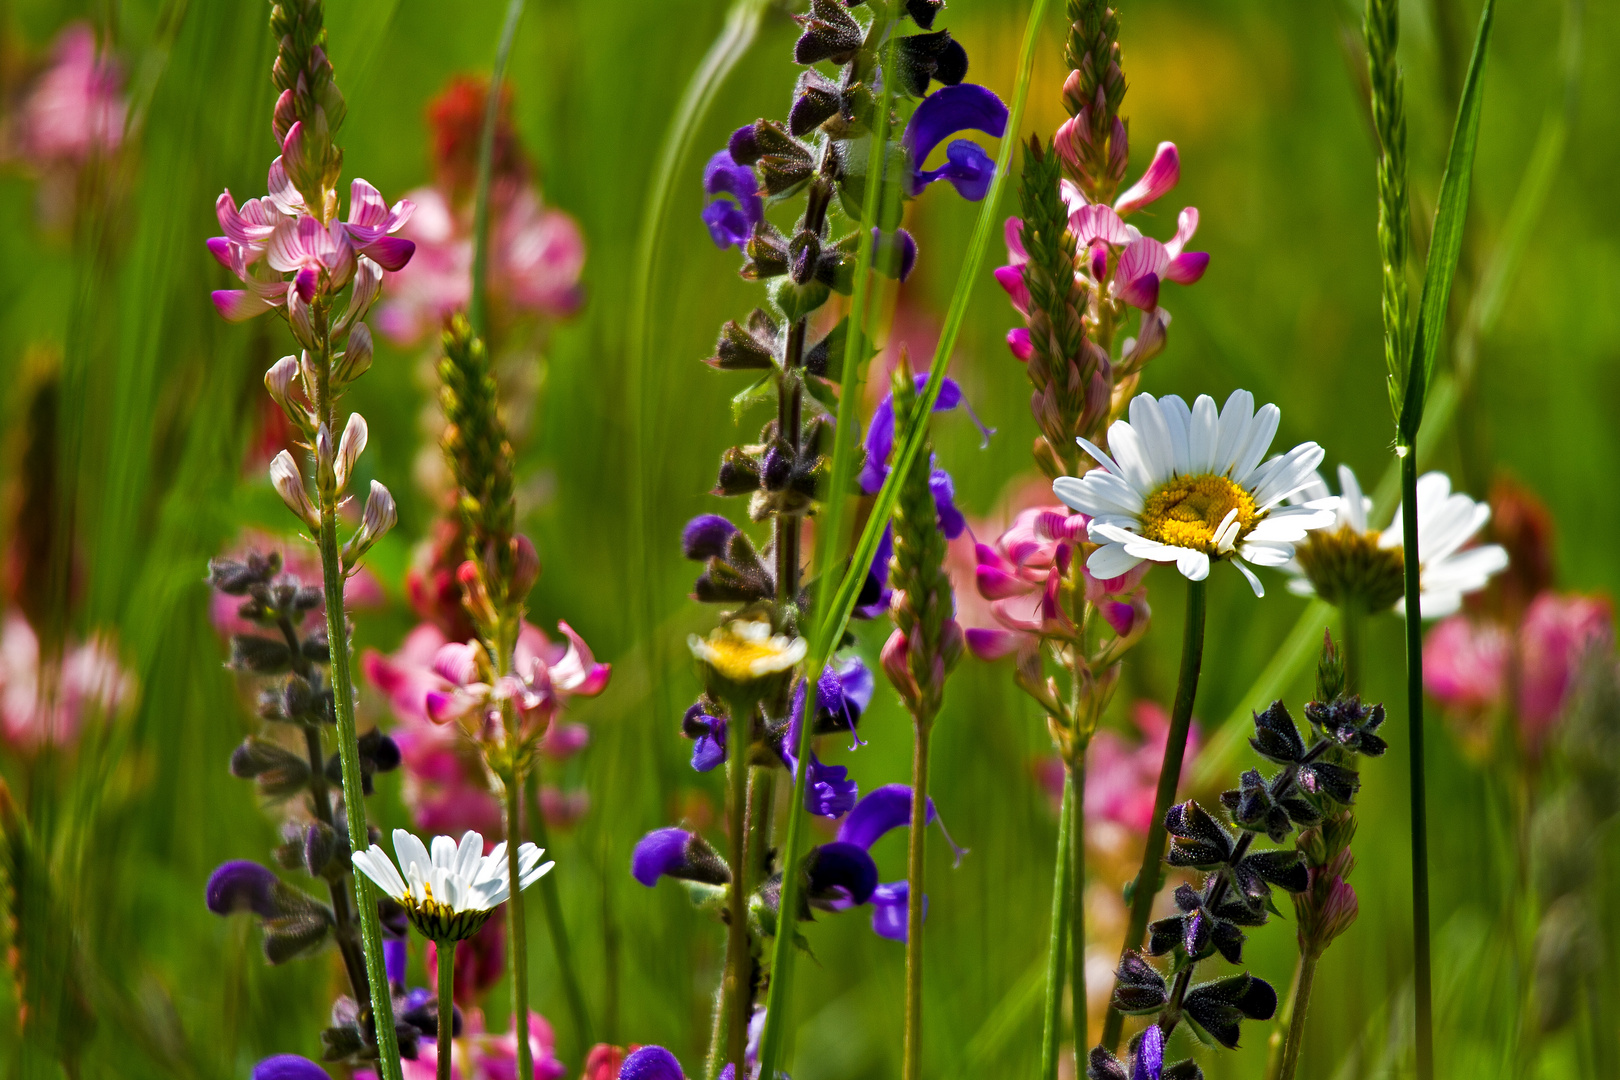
(1276, 737)
(1103, 1065)
(943, 113)
(651, 1063)
(1252, 807)
(1220, 1007)
(1350, 724)
(243, 885)
(1283, 867)
(816, 99)
(288, 1067)
(829, 34)
(841, 873)
(1334, 781)
(750, 348)
(731, 223)
(935, 56)
(1197, 839)
(886, 808)
(1138, 986)
(677, 854)
(890, 910)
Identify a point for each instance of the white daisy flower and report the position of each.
(1189, 485)
(745, 650)
(1356, 561)
(450, 893)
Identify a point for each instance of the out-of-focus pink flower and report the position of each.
(1466, 662)
(76, 110)
(1122, 776)
(45, 701)
(563, 809)
(603, 1062)
(544, 675)
(536, 257)
(300, 560)
(480, 1055)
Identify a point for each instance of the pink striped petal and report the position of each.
(1162, 174)
(994, 644)
(1013, 231)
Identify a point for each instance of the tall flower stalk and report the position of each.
(294, 230)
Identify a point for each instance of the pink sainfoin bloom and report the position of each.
(1022, 573)
(480, 1055)
(1467, 663)
(76, 110)
(44, 701)
(1122, 775)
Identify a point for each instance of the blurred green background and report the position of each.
(1264, 100)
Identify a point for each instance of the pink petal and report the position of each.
(390, 252)
(239, 305)
(1186, 225)
(220, 248)
(1011, 278)
(1187, 268)
(995, 584)
(1094, 221)
(1143, 292)
(1018, 340)
(1162, 174)
(456, 662)
(366, 205)
(994, 644)
(1013, 231)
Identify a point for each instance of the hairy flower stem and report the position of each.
(1421, 976)
(558, 930)
(1151, 876)
(516, 928)
(1056, 941)
(717, 1035)
(923, 727)
(1076, 780)
(337, 635)
(447, 1006)
(1296, 1022)
(737, 958)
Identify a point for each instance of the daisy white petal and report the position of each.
(1254, 582)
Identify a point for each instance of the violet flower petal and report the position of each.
(650, 1063)
(660, 852)
(943, 113)
(242, 885)
(288, 1067)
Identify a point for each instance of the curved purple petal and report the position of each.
(396, 955)
(841, 870)
(828, 792)
(890, 908)
(1148, 1062)
(951, 521)
(873, 599)
(942, 114)
(660, 852)
(288, 1067)
(731, 223)
(242, 885)
(967, 167)
(651, 1063)
(728, 225)
(885, 808)
(706, 536)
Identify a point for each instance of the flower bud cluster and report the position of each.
(1093, 143)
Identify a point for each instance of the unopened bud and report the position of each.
(325, 459)
(349, 449)
(298, 317)
(525, 566)
(356, 359)
(290, 485)
(278, 381)
(894, 657)
(1069, 143)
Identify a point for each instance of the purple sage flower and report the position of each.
(288, 1067)
(243, 885)
(708, 735)
(706, 537)
(648, 1063)
(677, 853)
(731, 223)
(890, 909)
(941, 114)
(828, 792)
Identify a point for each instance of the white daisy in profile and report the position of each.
(1354, 562)
(1189, 485)
(745, 650)
(450, 893)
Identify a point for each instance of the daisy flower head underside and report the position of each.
(1188, 485)
(450, 891)
(745, 651)
(1357, 563)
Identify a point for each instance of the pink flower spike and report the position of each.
(1018, 340)
(1011, 278)
(1161, 175)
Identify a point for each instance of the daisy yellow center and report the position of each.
(735, 657)
(427, 905)
(1188, 511)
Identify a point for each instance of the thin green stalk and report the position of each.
(516, 924)
(715, 1061)
(1279, 1030)
(558, 929)
(354, 801)
(1057, 940)
(1149, 878)
(1296, 1022)
(912, 1065)
(1421, 976)
(737, 959)
(477, 312)
(1077, 906)
(447, 1006)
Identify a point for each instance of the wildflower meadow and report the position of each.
(832, 539)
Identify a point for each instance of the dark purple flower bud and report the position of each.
(751, 348)
(1276, 738)
(816, 99)
(941, 114)
(841, 874)
(1219, 1007)
(243, 885)
(651, 1063)
(951, 521)
(288, 1067)
(890, 909)
(1196, 838)
(777, 471)
(922, 12)
(804, 253)
(828, 792)
(739, 473)
(1138, 987)
(930, 56)
(1282, 867)
(731, 224)
(829, 34)
(744, 145)
(893, 254)
(1350, 724)
(678, 854)
(706, 536)
(386, 757)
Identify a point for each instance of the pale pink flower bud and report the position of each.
(349, 449)
(1339, 910)
(356, 358)
(325, 455)
(1068, 141)
(893, 658)
(290, 485)
(380, 514)
(278, 381)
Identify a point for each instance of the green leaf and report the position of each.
(1445, 246)
(758, 394)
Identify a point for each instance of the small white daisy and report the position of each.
(745, 650)
(1189, 485)
(450, 893)
(1354, 560)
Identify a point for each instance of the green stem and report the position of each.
(1077, 906)
(558, 929)
(516, 928)
(447, 1005)
(1421, 974)
(1056, 941)
(1151, 875)
(354, 802)
(717, 1035)
(1285, 1019)
(477, 313)
(1296, 1022)
(737, 959)
(912, 1068)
